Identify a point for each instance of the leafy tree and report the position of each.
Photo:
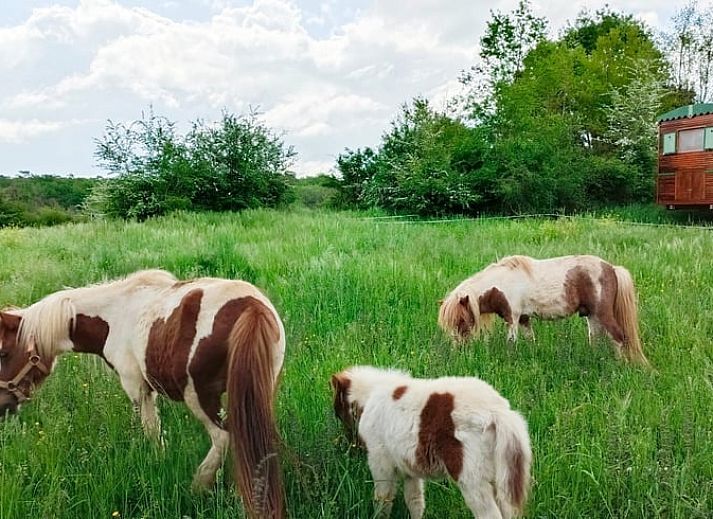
(507, 40)
(234, 164)
(689, 47)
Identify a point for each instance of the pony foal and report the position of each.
(188, 340)
(519, 287)
(429, 428)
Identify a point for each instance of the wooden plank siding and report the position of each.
(685, 178)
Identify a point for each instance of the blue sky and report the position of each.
(330, 74)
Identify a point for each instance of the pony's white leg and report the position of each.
(204, 477)
(479, 495)
(144, 400)
(512, 331)
(413, 495)
(526, 327)
(150, 420)
(384, 474)
(594, 329)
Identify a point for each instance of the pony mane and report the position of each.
(451, 312)
(150, 277)
(523, 263)
(47, 323)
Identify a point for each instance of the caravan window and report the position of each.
(690, 140)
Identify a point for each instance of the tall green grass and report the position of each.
(609, 440)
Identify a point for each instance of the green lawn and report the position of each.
(609, 440)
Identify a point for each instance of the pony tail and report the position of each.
(513, 457)
(251, 421)
(626, 315)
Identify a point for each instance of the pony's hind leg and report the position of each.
(204, 477)
(479, 495)
(413, 495)
(594, 329)
(614, 331)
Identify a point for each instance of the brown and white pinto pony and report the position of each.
(187, 340)
(519, 287)
(419, 429)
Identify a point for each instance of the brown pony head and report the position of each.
(17, 361)
(458, 317)
(347, 412)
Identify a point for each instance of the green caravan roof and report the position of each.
(687, 111)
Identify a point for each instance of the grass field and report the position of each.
(609, 440)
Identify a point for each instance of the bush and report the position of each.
(235, 164)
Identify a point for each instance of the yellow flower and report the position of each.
(116, 514)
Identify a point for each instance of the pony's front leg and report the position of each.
(384, 474)
(512, 331)
(526, 327)
(150, 420)
(144, 400)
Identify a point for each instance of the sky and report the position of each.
(329, 74)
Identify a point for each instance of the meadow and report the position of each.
(609, 439)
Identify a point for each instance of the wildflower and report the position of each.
(116, 514)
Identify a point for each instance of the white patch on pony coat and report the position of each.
(390, 429)
(537, 293)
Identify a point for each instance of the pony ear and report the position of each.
(12, 321)
(464, 300)
(340, 382)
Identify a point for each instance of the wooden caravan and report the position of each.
(685, 174)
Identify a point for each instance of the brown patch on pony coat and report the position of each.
(579, 292)
(208, 367)
(438, 447)
(89, 334)
(169, 345)
(399, 392)
(493, 301)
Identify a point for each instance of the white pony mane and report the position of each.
(48, 321)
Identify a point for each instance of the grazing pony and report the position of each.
(420, 429)
(187, 340)
(518, 287)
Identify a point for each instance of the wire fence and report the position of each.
(411, 219)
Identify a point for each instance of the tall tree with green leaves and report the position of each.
(689, 47)
(507, 40)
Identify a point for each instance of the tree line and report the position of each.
(543, 124)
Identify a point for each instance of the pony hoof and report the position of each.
(202, 485)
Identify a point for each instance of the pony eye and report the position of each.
(3, 354)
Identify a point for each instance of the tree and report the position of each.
(507, 40)
(689, 47)
(235, 164)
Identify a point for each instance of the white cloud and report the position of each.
(331, 75)
(19, 131)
